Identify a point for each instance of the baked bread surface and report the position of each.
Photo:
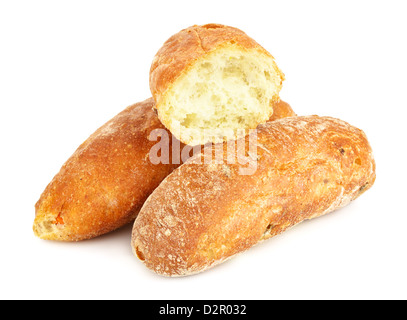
(193, 95)
(103, 185)
(203, 214)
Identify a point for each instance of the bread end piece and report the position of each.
(213, 83)
(48, 227)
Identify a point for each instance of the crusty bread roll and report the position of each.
(203, 214)
(210, 82)
(103, 185)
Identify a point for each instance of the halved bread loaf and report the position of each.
(212, 83)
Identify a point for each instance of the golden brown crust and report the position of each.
(203, 214)
(182, 49)
(103, 185)
(282, 110)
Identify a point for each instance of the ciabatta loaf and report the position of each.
(206, 212)
(213, 82)
(103, 185)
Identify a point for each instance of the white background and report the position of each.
(67, 67)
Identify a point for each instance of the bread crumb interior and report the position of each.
(226, 91)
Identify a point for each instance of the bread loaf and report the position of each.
(210, 81)
(105, 182)
(206, 212)
(103, 185)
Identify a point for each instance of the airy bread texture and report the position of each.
(103, 185)
(212, 83)
(203, 214)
